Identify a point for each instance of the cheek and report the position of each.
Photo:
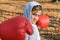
(32, 17)
(37, 18)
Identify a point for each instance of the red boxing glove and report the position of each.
(43, 21)
(15, 29)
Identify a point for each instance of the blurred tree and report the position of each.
(59, 0)
(53, 0)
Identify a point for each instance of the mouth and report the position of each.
(34, 20)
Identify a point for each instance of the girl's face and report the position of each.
(35, 15)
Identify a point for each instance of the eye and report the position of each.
(38, 15)
(34, 14)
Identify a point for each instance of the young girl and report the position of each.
(32, 12)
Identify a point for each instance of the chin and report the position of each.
(34, 22)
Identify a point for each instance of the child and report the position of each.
(32, 12)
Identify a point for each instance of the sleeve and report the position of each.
(38, 36)
(29, 28)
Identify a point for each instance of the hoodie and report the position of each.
(27, 15)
